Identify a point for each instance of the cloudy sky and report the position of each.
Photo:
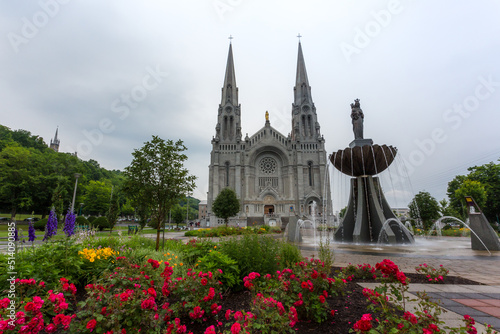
(111, 74)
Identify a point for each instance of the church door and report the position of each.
(268, 209)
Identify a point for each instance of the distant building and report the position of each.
(275, 176)
(202, 210)
(54, 143)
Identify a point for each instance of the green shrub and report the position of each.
(49, 262)
(91, 219)
(81, 221)
(101, 223)
(195, 249)
(289, 254)
(40, 225)
(215, 260)
(253, 253)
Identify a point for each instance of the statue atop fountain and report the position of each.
(357, 119)
(368, 217)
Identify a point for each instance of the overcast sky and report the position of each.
(111, 74)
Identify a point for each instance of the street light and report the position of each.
(81, 206)
(77, 175)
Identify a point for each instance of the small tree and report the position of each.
(156, 178)
(226, 204)
(112, 214)
(178, 215)
(424, 207)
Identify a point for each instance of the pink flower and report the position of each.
(210, 330)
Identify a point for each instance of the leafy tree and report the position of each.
(178, 215)
(15, 175)
(156, 178)
(489, 177)
(446, 210)
(424, 207)
(112, 214)
(127, 209)
(474, 189)
(96, 198)
(226, 204)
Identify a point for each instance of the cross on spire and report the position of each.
(299, 36)
(230, 39)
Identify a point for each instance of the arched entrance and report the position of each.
(268, 209)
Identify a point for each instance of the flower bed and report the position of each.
(159, 296)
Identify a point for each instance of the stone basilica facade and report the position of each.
(277, 177)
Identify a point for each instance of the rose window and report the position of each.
(268, 165)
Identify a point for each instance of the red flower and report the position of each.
(155, 264)
(152, 292)
(204, 281)
(321, 299)
(235, 328)
(91, 324)
(29, 306)
(210, 330)
(364, 324)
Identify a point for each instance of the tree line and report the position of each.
(481, 183)
(35, 179)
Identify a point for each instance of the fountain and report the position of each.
(368, 214)
(297, 229)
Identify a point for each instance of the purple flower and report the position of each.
(31, 233)
(69, 224)
(16, 237)
(51, 228)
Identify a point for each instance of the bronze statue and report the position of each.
(357, 119)
(267, 116)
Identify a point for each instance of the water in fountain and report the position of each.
(437, 227)
(387, 223)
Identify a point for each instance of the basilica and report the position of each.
(276, 177)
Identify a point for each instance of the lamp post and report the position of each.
(77, 175)
(81, 206)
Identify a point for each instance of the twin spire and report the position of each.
(302, 90)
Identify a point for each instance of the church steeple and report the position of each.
(228, 127)
(305, 125)
(302, 90)
(229, 90)
(54, 144)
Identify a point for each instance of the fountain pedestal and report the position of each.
(484, 235)
(368, 214)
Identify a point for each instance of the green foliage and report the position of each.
(156, 178)
(424, 207)
(434, 275)
(474, 189)
(195, 249)
(288, 255)
(216, 260)
(226, 204)
(178, 214)
(96, 198)
(101, 223)
(81, 221)
(253, 253)
(91, 219)
(489, 177)
(40, 225)
(112, 214)
(35, 178)
(48, 262)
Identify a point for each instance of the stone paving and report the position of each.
(482, 302)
